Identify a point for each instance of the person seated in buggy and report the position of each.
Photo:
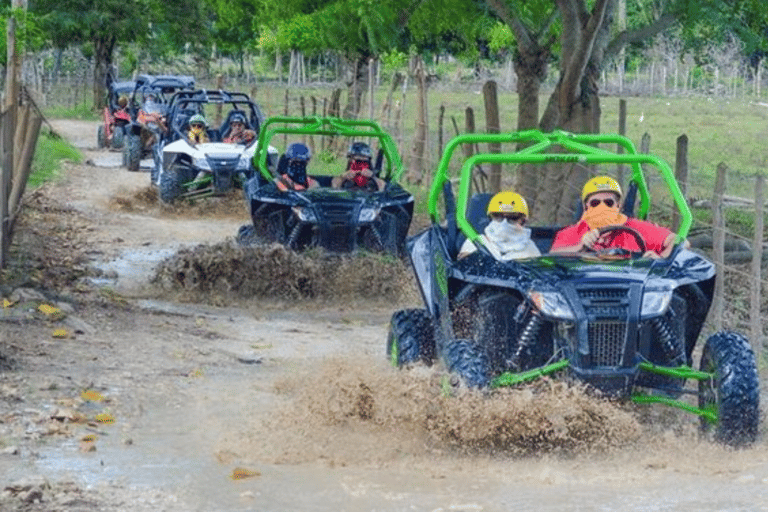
(602, 226)
(293, 169)
(238, 133)
(359, 173)
(197, 130)
(506, 236)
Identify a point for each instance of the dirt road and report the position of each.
(146, 403)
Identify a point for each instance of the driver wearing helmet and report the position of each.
(601, 197)
(294, 174)
(238, 134)
(506, 236)
(197, 133)
(359, 173)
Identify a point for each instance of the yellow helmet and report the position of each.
(508, 202)
(600, 184)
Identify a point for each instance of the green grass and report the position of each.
(82, 111)
(49, 153)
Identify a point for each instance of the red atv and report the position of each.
(111, 132)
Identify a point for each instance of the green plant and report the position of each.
(51, 150)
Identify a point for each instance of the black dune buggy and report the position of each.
(115, 117)
(625, 325)
(148, 107)
(185, 171)
(340, 219)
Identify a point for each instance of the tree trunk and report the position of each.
(102, 63)
(357, 84)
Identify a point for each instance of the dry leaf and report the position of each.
(104, 417)
(60, 333)
(7, 304)
(241, 473)
(91, 395)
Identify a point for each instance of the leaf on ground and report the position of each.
(7, 304)
(242, 473)
(51, 312)
(105, 418)
(60, 333)
(92, 396)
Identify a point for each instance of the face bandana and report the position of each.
(297, 171)
(508, 237)
(601, 216)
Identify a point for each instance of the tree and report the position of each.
(579, 36)
(107, 23)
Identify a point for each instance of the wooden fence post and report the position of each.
(622, 131)
(285, 113)
(757, 260)
(681, 174)
(718, 245)
(492, 125)
(6, 139)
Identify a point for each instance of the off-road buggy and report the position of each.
(340, 219)
(622, 324)
(115, 117)
(148, 107)
(192, 171)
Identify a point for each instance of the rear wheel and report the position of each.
(133, 150)
(411, 337)
(469, 361)
(101, 137)
(734, 391)
(172, 183)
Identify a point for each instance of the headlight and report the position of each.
(552, 304)
(655, 302)
(304, 213)
(244, 163)
(368, 214)
(202, 164)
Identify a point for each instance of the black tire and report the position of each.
(118, 138)
(171, 183)
(469, 361)
(133, 152)
(734, 392)
(101, 137)
(494, 327)
(411, 337)
(247, 236)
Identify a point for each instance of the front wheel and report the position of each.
(469, 361)
(118, 138)
(733, 392)
(411, 337)
(172, 183)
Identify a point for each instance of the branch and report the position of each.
(627, 37)
(522, 35)
(574, 69)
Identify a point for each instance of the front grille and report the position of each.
(336, 213)
(606, 342)
(604, 303)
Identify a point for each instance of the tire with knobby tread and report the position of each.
(101, 137)
(133, 151)
(171, 181)
(118, 138)
(469, 361)
(411, 337)
(735, 390)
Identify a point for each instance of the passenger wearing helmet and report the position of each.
(294, 174)
(237, 132)
(601, 198)
(506, 236)
(197, 133)
(359, 173)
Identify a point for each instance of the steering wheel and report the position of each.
(609, 233)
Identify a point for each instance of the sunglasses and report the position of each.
(514, 217)
(593, 203)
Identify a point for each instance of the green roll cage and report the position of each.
(332, 126)
(578, 148)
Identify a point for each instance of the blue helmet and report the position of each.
(298, 151)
